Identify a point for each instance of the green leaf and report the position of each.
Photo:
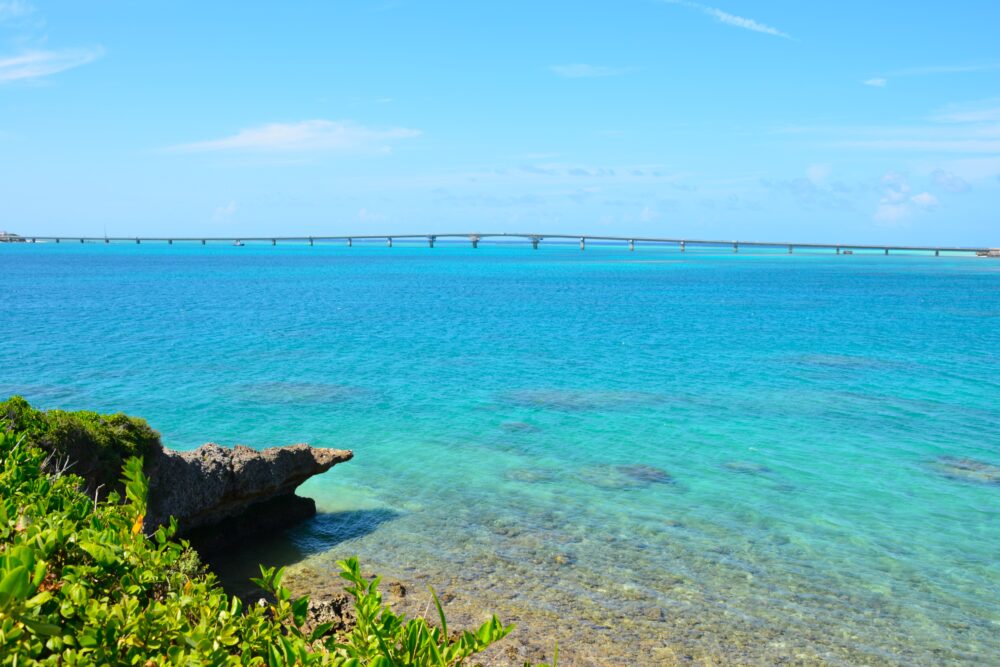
(320, 631)
(39, 628)
(299, 609)
(444, 621)
(14, 585)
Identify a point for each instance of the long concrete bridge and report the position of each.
(682, 244)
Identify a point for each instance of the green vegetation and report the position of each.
(96, 445)
(81, 584)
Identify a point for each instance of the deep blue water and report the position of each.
(736, 455)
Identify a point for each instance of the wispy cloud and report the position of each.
(731, 19)
(947, 69)
(13, 9)
(882, 79)
(950, 181)
(970, 129)
(307, 135)
(985, 111)
(367, 215)
(581, 71)
(224, 212)
(38, 64)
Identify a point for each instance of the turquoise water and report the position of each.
(697, 456)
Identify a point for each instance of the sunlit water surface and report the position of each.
(652, 455)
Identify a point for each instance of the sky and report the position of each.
(846, 121)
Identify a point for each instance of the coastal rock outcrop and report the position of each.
(217, 493)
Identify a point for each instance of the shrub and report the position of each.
(81, 584)
(96, 445)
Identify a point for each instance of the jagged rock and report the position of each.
(338, 610)
(236, 490)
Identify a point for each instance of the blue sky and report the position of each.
(848, 121)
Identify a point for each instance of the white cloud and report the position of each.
(925, 200)
(307, 135)
(37, 64)
(367, 215)
(581, 71)
(224, 212)
(817, 173)
(876, 82)
(897, 204)
(742, 22)
(731, 19)
(950, 181)
(649, 214)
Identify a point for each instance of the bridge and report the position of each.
(474, 238)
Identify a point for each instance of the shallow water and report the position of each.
(698, 456)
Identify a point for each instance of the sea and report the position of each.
(646, 457)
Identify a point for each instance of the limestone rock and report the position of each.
(213, 484)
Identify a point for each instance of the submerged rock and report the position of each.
(624, 476)
(225, 492)
(533, 475)
(519, 427)
(967, 470)
(747, 467)
(645, 474)
(562, 559)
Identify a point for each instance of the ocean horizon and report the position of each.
(741, 458)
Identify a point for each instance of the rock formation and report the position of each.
(217, 494)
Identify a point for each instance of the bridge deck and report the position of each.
(475, 237)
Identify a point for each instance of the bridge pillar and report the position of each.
(534, 242)
(631, 245)
(475, 241)
(430, 241)
(583, 243)
(350, 243)
(682, 246)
